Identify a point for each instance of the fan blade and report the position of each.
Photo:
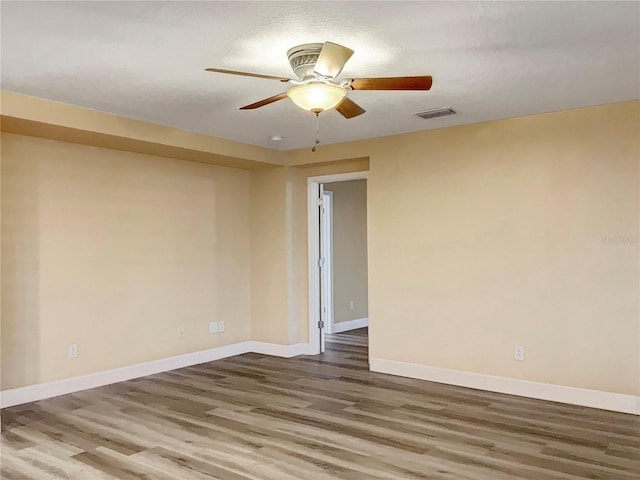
(332, 59)
(392, 83)
(264, 102)
(246, 74)
(349, 109)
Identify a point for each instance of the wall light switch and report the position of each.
(220, 326)
(518, 353)
(213, 327)
(73, 350)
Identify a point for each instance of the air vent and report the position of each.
(436, 112)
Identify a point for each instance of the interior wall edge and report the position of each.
(30, 128)
(94, 125)
(338, 161)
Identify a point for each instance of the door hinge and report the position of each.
(320, 202)
(321, 324)
(321, 262)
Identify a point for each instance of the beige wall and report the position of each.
(480, 237)
(116, 251)
(349, 250)
(489, 235)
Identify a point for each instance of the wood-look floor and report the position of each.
(308, 418)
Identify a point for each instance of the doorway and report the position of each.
(338, 283)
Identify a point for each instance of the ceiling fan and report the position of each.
(316, 89)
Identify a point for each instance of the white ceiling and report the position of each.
(489, 60)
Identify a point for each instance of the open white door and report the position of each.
(326, 231)
(321, 269)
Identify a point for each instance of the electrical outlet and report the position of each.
(221, 326)
(214, 327)
(352, 304)
(180, 333)
(73, 350)
(518, 353)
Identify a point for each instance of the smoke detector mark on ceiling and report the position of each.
(435, 112)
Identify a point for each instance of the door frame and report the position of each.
(313, 239)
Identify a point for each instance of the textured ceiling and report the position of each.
(489, 60)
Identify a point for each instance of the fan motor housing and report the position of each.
(303, 58)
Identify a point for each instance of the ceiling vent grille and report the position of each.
(435, 112)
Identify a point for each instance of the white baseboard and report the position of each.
(277, 350)
(558, 393)
(40, 391)
(616, 402)
(350, 325)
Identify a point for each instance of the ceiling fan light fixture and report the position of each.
(317, 97)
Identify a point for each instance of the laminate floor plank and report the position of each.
(256, 417)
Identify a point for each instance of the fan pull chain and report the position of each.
(317, 123)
